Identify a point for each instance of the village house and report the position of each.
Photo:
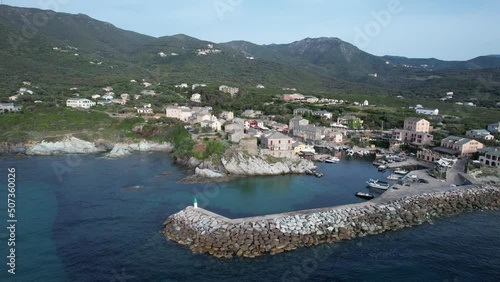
(148, 92)
(231, 90)
(96, 96)
(301, 111)
(296, 122)
(260, 86)
(181, 113)
(145, 111)
(415, 132)
(417, 125)
(254, 124)
(79, 103)
(196, 97)
(323, 114)
(277, 145)
(194, 86)
(182, 85)
(125, 96)
(451, 147)
(350, 121)
(227, 115)
(480, 134)
(13, 98)
(308, 132)
(106, 89)
(427, 111)
(494, 127)
(280, 127)
(311, 99)
(293, 97)
(119, 101)
(213, 124)
(490, 156)
(251, 113)
(9, 107)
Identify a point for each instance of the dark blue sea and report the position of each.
(86, 218)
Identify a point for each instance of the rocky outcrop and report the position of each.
(241, 163)
(13, 148)
(207, 173)
(123, 149)
(206, 232)
(69, 145)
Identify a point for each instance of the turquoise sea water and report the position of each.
(85, 218)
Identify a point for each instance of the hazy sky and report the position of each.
(445, 29)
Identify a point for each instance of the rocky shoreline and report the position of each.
(233, 164)
(209, 233)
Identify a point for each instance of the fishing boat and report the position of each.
(394, 176)
(378, 184)
(382, 167)
(401, 171)
(332, 160)
(364, 195)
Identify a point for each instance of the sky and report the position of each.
(443, 29)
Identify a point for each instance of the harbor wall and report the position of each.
(206, 232)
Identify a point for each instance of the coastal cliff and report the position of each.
(205, 232)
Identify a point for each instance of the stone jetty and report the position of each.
(206, 232)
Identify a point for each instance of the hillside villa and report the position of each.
(80, 103)
(480, 134)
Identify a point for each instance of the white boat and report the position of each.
(308, 149)
(332, 160)
(394, 177)
(378, 184)
(401, 171)
(350, 152)
(364, 195)
(382, 167)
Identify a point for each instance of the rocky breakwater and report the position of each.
(206, 232)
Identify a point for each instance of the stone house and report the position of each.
(490, 156)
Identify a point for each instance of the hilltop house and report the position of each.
(9, 107)
(79, 103)
(231, 90)
(427, 111)
(494, 127)
(480, 134)
(196, 97)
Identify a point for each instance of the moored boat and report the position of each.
(394, 176)
(332, 160)
(382, 167)
(378, 184)
(364, 195)
(401, 171)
